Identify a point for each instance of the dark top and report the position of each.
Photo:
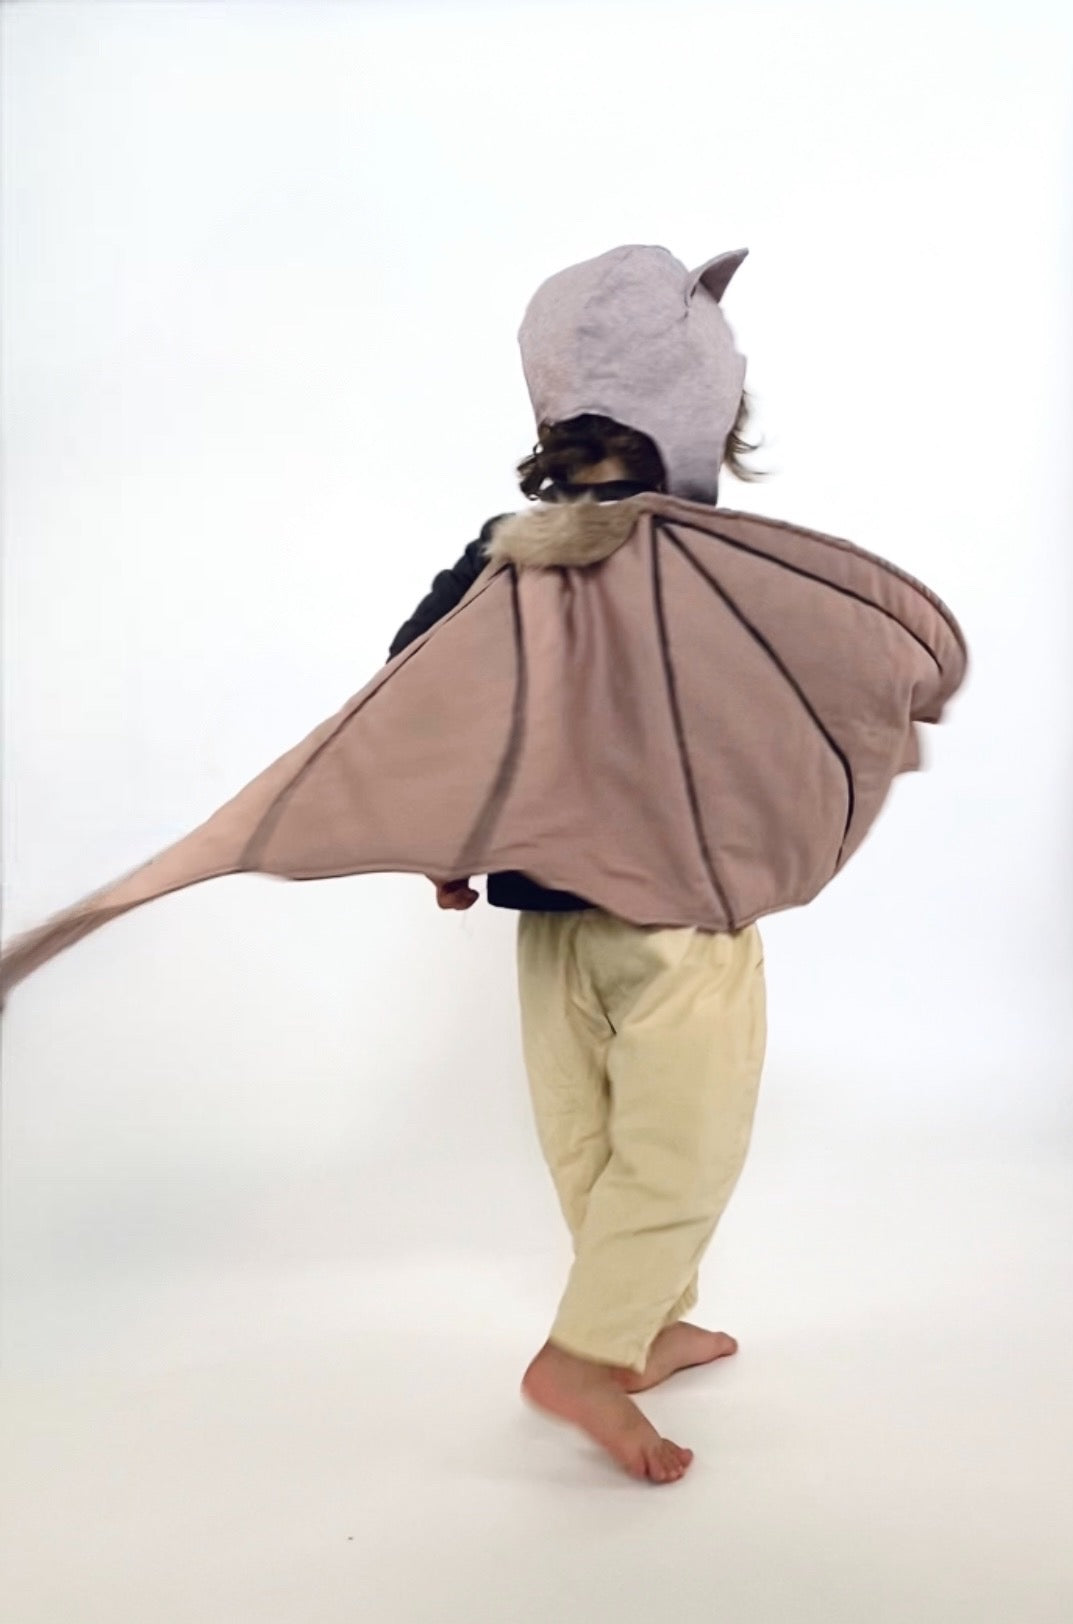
(509, 890)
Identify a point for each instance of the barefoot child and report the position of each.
(643, 1046)
(650, 722)
(644, 1050)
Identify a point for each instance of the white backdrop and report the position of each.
(264, 264)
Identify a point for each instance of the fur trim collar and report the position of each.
(564, 534)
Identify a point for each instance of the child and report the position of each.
(644, 1050)
(650, 721)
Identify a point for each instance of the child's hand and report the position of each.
(455, 895)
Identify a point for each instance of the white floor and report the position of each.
(305, 1431)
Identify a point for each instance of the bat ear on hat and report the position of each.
(714, 276)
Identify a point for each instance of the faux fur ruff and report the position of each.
(563, 534)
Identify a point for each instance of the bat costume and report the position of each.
(653, 721)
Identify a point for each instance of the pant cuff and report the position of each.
(682, 1307)
(623, 1353)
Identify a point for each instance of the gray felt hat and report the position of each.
(635, 336)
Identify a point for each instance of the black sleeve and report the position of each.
(448, 589)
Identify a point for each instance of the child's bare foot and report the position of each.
(591, 1396)
(678, 1347)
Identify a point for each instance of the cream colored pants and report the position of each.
(644, 1050)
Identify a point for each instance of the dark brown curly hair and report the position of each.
(565, 450)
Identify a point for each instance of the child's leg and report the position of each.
(565, 1037)
(684, 1068)
(661, 992)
